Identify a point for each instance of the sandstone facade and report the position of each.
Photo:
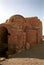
(24, 32)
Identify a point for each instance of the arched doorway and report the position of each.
(3, 41)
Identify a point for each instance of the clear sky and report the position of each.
(27, 8)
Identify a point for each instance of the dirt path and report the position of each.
(23, 61)
(33, 57)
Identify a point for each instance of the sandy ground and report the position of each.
(23, 61)
(35, 56)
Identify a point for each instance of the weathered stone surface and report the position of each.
(23, 32)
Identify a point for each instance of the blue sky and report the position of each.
(27, 8)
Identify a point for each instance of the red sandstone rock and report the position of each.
(23, 31)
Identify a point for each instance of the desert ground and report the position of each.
(34, 56)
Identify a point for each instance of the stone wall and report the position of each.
(24, 32)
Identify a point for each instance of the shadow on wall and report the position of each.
(35, 52)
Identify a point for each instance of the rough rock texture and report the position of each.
(37, 25)
(24, 32)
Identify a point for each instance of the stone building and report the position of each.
(36, 25)
(24, 32)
